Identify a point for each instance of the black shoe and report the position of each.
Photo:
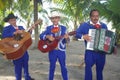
(32, 79)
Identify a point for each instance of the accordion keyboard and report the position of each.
(90, 44)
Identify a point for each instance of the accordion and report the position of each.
(101, 40)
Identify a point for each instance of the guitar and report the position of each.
(13, 49)
(46, 45)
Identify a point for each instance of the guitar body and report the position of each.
(13, 49)
(46, 46)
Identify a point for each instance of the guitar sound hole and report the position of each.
(45, 46)
(15, 45)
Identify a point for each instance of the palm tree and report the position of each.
(25, 9)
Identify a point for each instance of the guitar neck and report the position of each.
(70, 34)
(28, 29)
(32, 26)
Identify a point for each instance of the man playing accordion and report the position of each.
(92, 57)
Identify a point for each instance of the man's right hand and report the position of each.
(49, 37)
(18, 32)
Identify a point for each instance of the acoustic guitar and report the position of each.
(46, 45)
(13, 49)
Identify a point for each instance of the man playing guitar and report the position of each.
(58, 53)
(22, 62)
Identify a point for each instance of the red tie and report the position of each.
(16, 28)
(97, 26)
(55, 30)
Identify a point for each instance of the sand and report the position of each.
(39, 65)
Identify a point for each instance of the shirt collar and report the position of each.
(94, 24)
(15, 27)
(55, 26)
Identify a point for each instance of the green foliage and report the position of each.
(1, 28)
(76, 10)
(114, 5)
(1, 22)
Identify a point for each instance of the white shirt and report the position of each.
(93, 23)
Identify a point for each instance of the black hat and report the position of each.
(10, 16)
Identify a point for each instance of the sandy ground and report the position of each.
(39, 65)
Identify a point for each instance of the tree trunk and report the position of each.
(36, 18)
(75, 27)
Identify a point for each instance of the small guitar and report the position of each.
(13, 48)
(46, 45)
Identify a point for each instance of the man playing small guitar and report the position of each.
(59, 53)
(22, 62)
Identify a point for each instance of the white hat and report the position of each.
(54, 14)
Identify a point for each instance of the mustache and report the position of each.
(95, 19)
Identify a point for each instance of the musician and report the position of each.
(58, 53)
(10, 31)
(92, 57)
